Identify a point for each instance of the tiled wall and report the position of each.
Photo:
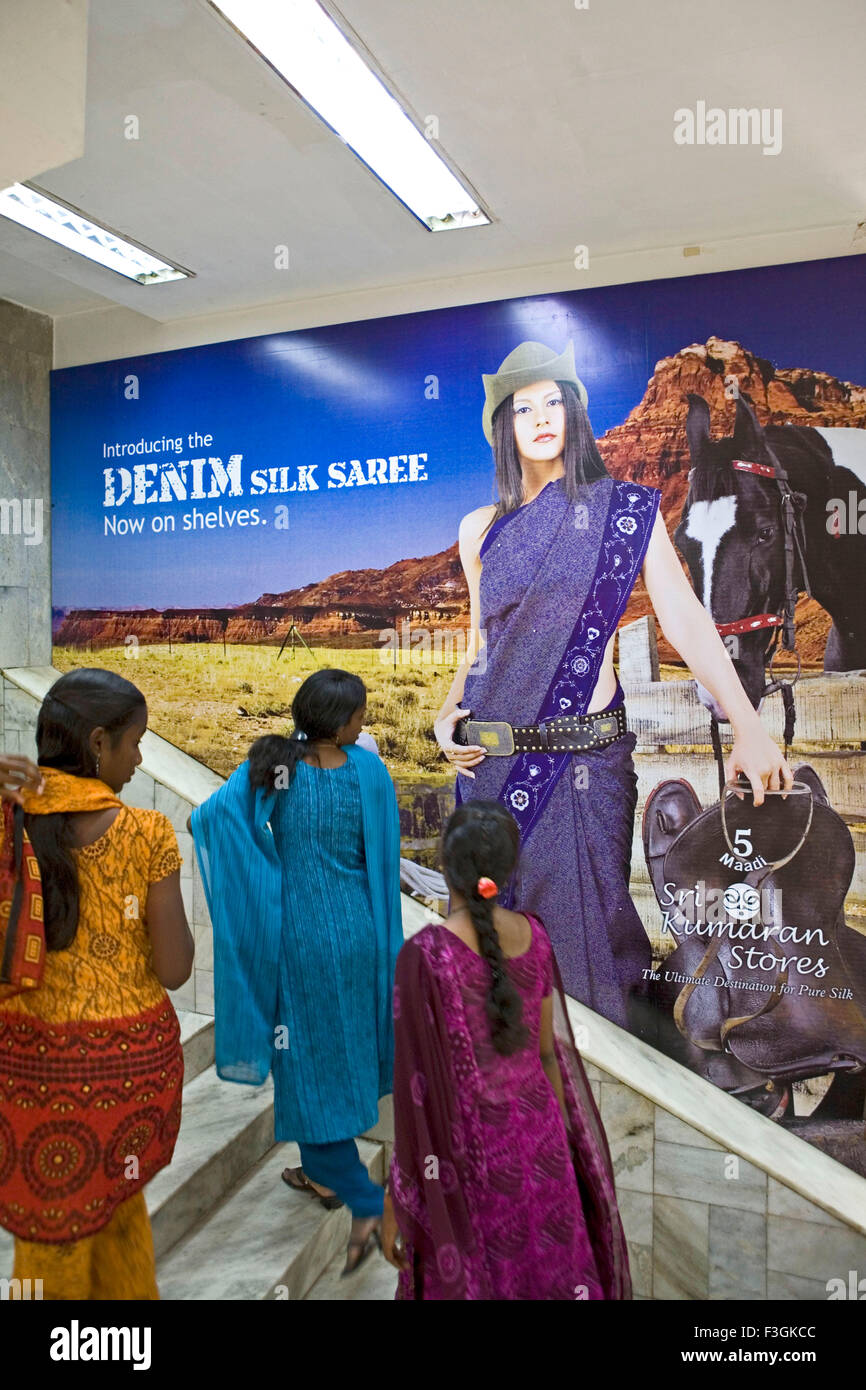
(18, 712)
(702, 1223)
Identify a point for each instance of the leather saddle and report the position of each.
(753, 1003)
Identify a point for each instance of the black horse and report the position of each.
(731, 535)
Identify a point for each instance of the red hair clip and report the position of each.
(487, 888)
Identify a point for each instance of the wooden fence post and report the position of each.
(638, 651)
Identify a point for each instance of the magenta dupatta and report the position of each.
(440, 1100)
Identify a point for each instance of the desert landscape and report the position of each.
(213, 706)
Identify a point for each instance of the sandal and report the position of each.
(370, 1241)
(297, 1179)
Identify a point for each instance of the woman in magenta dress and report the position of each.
(501, 1183)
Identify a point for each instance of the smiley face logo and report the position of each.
(741, 901)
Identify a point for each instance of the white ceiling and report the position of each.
(561, 119)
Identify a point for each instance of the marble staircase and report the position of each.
(224, 1225)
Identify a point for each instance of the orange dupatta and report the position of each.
(63, 793)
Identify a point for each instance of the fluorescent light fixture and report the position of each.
(308, 49)
(70, 228)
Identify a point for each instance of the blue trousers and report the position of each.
(339, 1167)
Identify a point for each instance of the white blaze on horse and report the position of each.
(771, 513)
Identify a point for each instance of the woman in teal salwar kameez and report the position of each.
(300, 859)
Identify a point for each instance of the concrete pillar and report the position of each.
(26, 345)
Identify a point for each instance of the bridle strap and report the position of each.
(790, 714)
(742, 625)
(715, 739)
(762, 470)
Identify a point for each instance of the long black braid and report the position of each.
(481, 840)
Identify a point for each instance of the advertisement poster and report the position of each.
(227, 518)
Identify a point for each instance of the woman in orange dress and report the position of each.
(91, 1067)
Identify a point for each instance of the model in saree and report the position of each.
(501, 1184)
(550, 568)
(300, 858)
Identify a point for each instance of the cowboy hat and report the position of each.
(528, 362)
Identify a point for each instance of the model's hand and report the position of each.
(16, 772)
(460, 755)
(756, 755)
(391, 1238)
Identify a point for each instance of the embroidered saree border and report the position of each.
(628, 527)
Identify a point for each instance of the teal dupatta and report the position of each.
(246, 886)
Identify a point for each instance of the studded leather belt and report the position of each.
(573, 734)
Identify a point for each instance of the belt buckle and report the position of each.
(605, 726)
(496, 737)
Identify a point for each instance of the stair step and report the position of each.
(197, 1040)
(263, 1241)
(224, 1130)
(376, 1280)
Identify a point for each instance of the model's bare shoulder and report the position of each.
(473, 526)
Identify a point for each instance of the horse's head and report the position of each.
(730, 535)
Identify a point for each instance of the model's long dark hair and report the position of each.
(76, 704)
(481, 840)
(326, 700)
(581, 460)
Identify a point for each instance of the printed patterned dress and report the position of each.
(496, 1195)
(91, 1067)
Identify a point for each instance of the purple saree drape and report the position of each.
(480, 1175)
(555, 580)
